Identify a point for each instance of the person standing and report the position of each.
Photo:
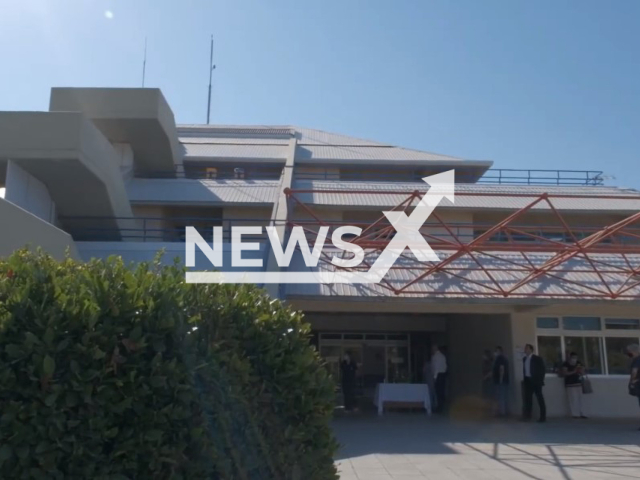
(439, 368)
(348, 369)
(634, 378)
(572, 370)
(501, 381)
(429, 380)
(534, 371)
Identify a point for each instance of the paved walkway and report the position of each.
(413, 447)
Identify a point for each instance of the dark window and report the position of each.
(581, 323)
(622, 323)
(550, 349)
(548, 322)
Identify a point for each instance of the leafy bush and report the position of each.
(110, 372)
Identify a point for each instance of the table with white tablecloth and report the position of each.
(402, 392)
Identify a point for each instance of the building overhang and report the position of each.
(140, 117)
(67, 153)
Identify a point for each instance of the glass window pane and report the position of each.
(550, 349)
(622, 323)
(617, 359)
(588, 350)
(548, 322)
(581, 323)
(398, 364)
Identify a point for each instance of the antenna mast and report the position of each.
(144, 62)
(212, 67)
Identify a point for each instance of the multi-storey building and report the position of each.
(550, 258)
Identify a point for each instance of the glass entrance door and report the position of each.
(380, 357)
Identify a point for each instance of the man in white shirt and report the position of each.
(439, 370)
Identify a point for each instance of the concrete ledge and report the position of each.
(67, 153)
(140, 117)
(21, 228)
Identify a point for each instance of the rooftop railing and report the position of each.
(152, 229)
(501, 176)
(497, 176)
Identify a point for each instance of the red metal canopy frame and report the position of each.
(608, 256)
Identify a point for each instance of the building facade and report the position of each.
(550, 258)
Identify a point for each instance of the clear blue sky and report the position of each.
(528, 84)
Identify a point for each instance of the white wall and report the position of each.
(125, 158)
(468, 337)
(29, 193)
(28, 230)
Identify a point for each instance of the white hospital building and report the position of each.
(550, 258)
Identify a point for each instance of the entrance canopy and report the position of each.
(507, 259)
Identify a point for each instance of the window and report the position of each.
(550, 349)
(581, 323)
(548, 322)
(589, 350)
(600, 343)
(617, 359)
(622, 324)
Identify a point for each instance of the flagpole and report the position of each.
(211, 69)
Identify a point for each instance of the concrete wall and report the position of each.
(610, 397)
(468, 336)
(21, 228)
(374, 322)
(29, 193)
(125, 155)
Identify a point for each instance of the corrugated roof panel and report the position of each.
(444, 285)
(345, 194)
(211, 192)
(366, 154)
(310, 136)
(226, 151)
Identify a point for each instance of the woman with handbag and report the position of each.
(572, 371)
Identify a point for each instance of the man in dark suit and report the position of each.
(534, 371)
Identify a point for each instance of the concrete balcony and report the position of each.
(70, 156)
(140, 117)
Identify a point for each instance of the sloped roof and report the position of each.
(469, 195)
(234, 141)
(577, 273)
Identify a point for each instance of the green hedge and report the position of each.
(112, 372)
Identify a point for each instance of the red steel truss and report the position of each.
(506, 259)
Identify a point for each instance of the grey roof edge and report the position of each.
(451, 300)
(444, 161)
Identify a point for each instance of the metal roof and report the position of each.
(350, 153)
(370, 194)
(210, 192)
(310, 136)
(235, 141)
(444, 285)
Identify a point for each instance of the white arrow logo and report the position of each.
(408, 227)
